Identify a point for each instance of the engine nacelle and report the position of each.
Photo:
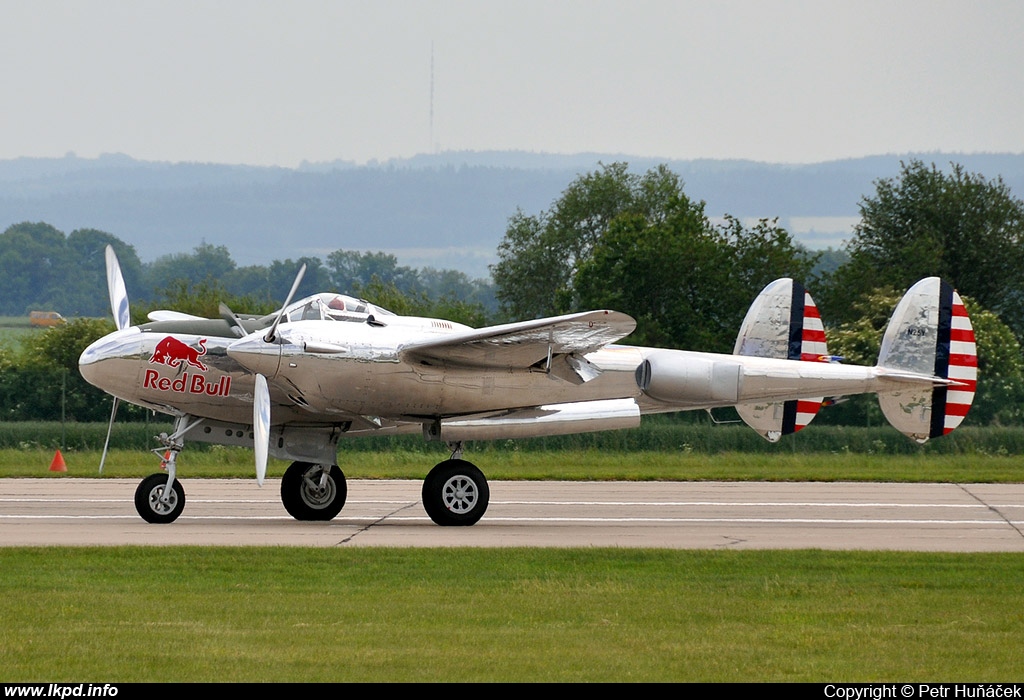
(678, 377)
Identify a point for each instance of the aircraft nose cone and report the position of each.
(256, 354)
(109, 361)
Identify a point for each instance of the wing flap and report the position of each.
(524, 344)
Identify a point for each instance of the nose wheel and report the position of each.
(151, 502)
(160, 498)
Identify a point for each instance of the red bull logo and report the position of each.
(172, 352)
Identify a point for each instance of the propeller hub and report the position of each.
(257, 355)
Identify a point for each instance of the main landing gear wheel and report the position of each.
(455, 492)
(303, 497)
(149, 505)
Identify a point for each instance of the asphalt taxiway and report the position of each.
(679, 515)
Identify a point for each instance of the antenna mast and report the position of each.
(431, 150)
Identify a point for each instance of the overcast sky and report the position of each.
(281, 82)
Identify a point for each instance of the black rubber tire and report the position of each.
(455, 492)
(303, 500)
(147, 497)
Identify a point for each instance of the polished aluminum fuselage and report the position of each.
(361, 377)
(213, 386)
(359, 369)
(334, 373)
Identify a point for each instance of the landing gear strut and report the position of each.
(309, 492)
(160, 498)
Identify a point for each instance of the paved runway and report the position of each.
(683, 515)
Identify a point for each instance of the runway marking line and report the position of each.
(646, 504)
(546, 519)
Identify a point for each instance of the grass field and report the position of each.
(13, 329)
(22, 322)
(292, 614)
(573, 465)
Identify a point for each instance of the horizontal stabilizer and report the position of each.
(930, 334)
(782, 323)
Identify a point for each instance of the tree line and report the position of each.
(630, 241)
(636, 243)
(42, 268)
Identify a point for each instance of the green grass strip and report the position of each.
(672, 434)
(295, 614)
(573, 465)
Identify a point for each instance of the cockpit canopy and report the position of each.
(334, 307)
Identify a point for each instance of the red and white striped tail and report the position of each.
(930, 333)
(813, 347)
(962, 367)
(783, 323)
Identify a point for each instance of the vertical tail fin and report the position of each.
(783, 323)
(930, 334)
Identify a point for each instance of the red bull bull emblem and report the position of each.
(172, 352)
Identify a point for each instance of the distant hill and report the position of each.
(448, 210)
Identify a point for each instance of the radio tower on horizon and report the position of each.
(431, 149)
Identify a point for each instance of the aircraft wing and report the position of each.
(523, 344)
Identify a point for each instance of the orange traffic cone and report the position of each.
(57, 465)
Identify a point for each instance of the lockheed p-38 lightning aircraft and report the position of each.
(330, 366)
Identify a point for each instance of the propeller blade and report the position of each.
(236, 323)
(271, 334)
(110, 427)
(261, 426)
(118, 294)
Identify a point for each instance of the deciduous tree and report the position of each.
(638, 244)
(957, 225)
(539, 256)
